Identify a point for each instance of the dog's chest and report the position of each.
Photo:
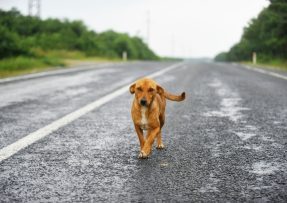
(144, 120)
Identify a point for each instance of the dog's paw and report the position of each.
(160, 146)
(142, 155)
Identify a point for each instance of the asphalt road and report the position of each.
(227, 142)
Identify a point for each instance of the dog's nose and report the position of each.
(143, 102)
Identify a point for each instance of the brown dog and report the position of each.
(148, 112)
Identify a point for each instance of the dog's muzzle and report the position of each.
(143, 102)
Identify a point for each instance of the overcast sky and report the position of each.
(184, 28)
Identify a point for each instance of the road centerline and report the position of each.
(33, 137)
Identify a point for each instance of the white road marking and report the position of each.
(264, 168)
(253, 146)
(245, 136)
(230, 108)
(24, 142)
(229, 105)
(266, 72)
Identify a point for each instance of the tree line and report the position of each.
(266, 35)
(20, 35)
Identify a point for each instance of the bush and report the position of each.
(22, 63)
(10, 44)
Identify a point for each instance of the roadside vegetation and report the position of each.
(266, 35)
(29, 44)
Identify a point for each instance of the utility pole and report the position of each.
(148, 28)
(34, 8)
(172, 45)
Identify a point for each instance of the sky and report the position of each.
(177, 28)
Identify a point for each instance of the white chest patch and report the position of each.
(144, 123)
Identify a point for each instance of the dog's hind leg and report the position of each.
(160, 145)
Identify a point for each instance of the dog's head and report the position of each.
(145, 90)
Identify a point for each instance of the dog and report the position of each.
(148, 112)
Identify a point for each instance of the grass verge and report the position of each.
(24, 65)
(276, 64)
(46, 60)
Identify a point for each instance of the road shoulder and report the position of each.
(59, 70)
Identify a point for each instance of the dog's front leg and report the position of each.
(146, 150)
(140, 135)
(160, 145)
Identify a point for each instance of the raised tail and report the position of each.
(172, 97)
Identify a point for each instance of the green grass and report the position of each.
(71, 55)
(23, 65)
(64, 54)
(278, 64)
(46, 60)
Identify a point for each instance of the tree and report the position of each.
(10, 44)
(19, 34)
(266, 35)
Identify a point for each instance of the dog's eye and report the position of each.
(150, 89)
(140, 89)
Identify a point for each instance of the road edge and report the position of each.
(261, 70)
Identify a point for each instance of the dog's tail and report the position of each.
(172, 97)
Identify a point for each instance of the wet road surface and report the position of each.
(226, 142)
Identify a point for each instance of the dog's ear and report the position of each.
(133, 88)
(159, 90)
